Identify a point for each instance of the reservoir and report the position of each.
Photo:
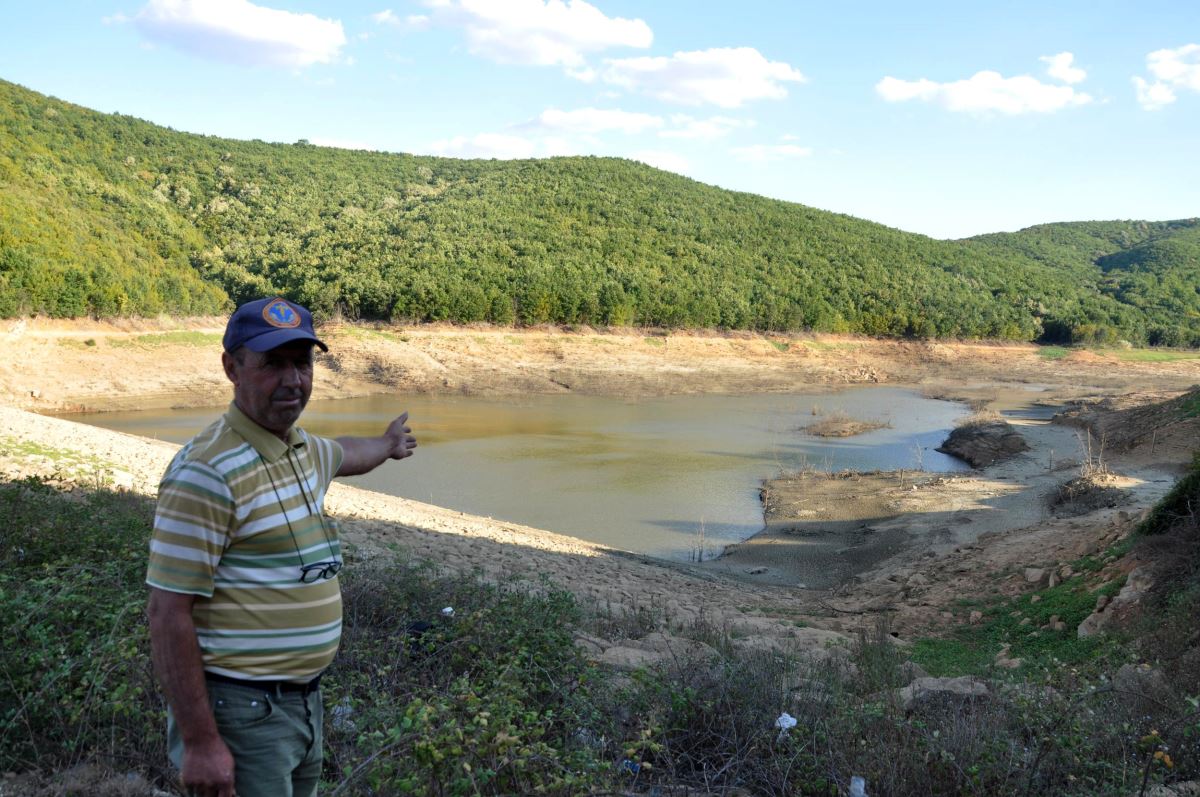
(675, 477)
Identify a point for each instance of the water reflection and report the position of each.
(651, 476)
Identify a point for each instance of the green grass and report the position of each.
(65, 462)
(1150, 355)
(1190, 407)
(176, 338)
(971, 649)
(1053, 352)
(781, 345)
(74, 343)
(655, 341)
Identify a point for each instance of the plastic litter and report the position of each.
(448, 611)
(784, 722)
(858, 787)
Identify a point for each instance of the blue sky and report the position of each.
(945, 118)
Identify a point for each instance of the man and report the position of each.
(245, 608)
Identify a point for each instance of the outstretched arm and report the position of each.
(207, 763)
(364, 454)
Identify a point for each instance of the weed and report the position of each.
(1151, 355)
(1053, 352)
(176, 338)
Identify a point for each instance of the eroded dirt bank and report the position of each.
(919, 542)
(64, 366)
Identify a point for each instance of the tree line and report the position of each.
(108, 215)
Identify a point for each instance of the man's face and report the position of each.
(272, 388)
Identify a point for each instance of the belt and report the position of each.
(268, 686)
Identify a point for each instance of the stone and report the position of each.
(982, 444)
(1034, 575)
(1143, 688)
(911, 671)
(922, 690)
(1053, 581)
(1187, 788)
(976, 617)
(1035, 598)
(1066, 572)
(1101, 602)
(1094, 623)
(630, 659)
(1026, 621)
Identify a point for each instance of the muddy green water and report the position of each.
(675, 477)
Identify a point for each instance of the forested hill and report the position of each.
(108, 215)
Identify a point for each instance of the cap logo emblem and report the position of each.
(281, 314)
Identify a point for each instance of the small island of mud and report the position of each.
(839, 424)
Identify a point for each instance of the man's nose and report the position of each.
(291, 375)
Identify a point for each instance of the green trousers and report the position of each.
(275, 738)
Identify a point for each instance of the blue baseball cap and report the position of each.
(264, 324)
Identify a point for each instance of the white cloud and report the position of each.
(768, 153)
(1060, 67)
(705, 129)
(485, 145)
(240, 32)
(724, 76)
(596, 120)
(539, 32)
(411, 22)
(663, 159)
(1153, 96)
(985, 92)
(1172, 70)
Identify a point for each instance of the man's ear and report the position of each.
(229, 364)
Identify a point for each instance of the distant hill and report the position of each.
(109, 215)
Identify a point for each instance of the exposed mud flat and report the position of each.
(854, 539)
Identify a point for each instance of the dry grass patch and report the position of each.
(839, 424)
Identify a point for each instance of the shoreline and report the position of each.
(928, 521)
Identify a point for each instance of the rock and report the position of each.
(1035, 598)
(677, 648)
(981, 444)
(1002, 659)
(1026, 621)
(917, 580)
(1143, 688)
(1034, 575)
(591, 645)
(1093, 624)
(756, 571)
(1187, 788)
(976, 617)
(1066, 572)
(1137, 584)
(1053, 582)
(924, 690)
(630, 659)
(911, 671)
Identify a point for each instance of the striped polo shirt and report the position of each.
(239, 513)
